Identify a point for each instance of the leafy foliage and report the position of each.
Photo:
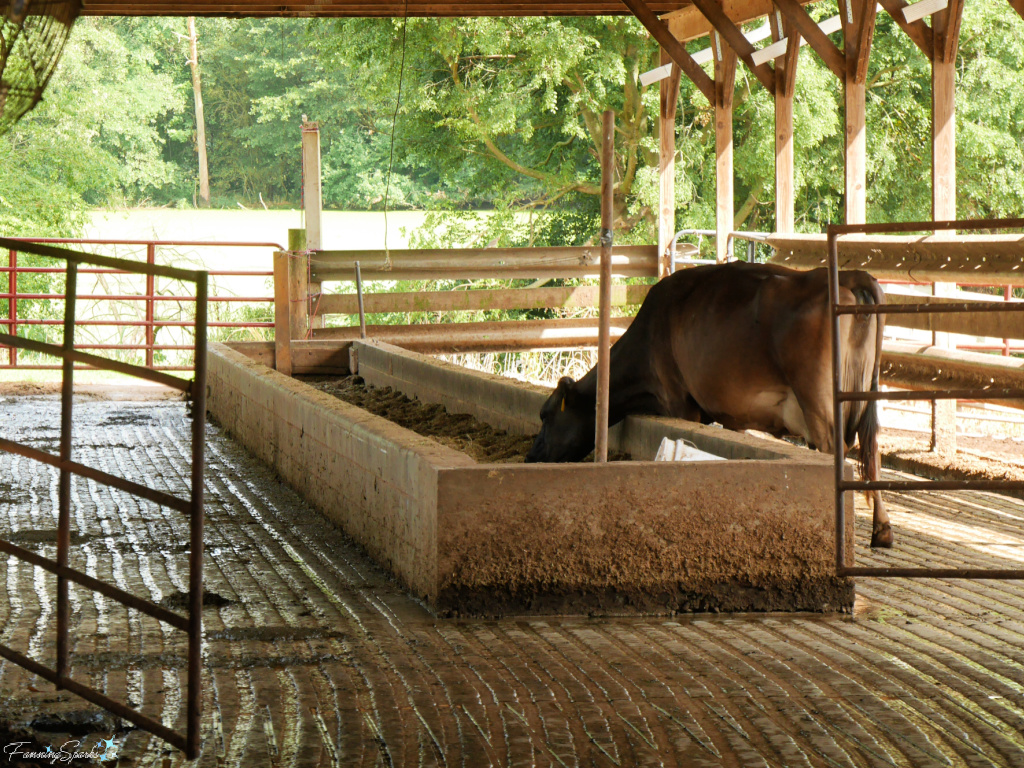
(496, 115)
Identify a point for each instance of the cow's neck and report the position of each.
(626, 393)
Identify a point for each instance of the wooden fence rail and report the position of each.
(482, 263)
(925, 259)
(566, 297)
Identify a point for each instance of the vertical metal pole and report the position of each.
(1007, 295)
(604, 327)
(359, 298)
(195, 573)
(12, 304)
(838, 438)
(64, 487)
(150, 314)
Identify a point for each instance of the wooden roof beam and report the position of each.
(811, 32)
(1018, 6)
(946, 24)
(660, 32)
(917, 31)
(785, 65)
(689, 23)
(858, 31)
(365, 8)
(733, 37)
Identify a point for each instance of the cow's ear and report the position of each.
(565, 390)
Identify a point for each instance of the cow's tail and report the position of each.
(868, 291)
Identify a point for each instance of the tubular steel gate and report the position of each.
(151, 298)
(839, 397)
(193, 506)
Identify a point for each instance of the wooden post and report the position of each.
(785, 82)
(604, 329)
(855, 163)
(784, 209)
(667, 165)
(298, 294)
(943, 437)
(282, 315)
(297, 242)
(291, 305)
(311, 183)
(858, 31)
(725, 84)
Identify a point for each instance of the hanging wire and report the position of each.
(394, 123)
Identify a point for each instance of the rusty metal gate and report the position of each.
(193, 506)
(839, 397)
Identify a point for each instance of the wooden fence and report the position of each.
(299, 278)
(302, 306)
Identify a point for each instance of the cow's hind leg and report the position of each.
(819, 435)
(881, 530)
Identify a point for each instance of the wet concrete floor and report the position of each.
(314, 657)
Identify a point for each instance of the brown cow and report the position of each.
(746, 345)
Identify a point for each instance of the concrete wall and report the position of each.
(638, 537)
(495, 539)
(374, 479)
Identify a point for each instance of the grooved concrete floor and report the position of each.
(314, 657)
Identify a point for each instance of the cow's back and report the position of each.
(749, 344)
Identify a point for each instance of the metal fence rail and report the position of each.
(839, 397)
(149, 322)
(193, 506)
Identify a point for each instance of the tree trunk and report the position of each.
(197, 89)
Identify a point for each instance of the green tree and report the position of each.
(93, 140)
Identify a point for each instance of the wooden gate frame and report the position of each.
(839, 397)
(193, 507)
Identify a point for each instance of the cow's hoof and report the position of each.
(882, 536)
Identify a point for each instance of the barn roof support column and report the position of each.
(785, 83)
(858, 18)
(939, 43)
(667, 165)
(729, 44)
(850, 66)
(725, 87)
(945, 34)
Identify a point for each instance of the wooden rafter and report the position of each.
(953, 15)
(818, 40)
(733, 37)
(919, 32)
(689, 23)
(725, 76)
(1018, 6)
(785, 65)
(365, 8)
(660, 32)
(859, 35)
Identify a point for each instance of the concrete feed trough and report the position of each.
(755, 532)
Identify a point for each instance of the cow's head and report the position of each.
(567, 429)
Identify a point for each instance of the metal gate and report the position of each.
(193, 506)
(839, 397)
